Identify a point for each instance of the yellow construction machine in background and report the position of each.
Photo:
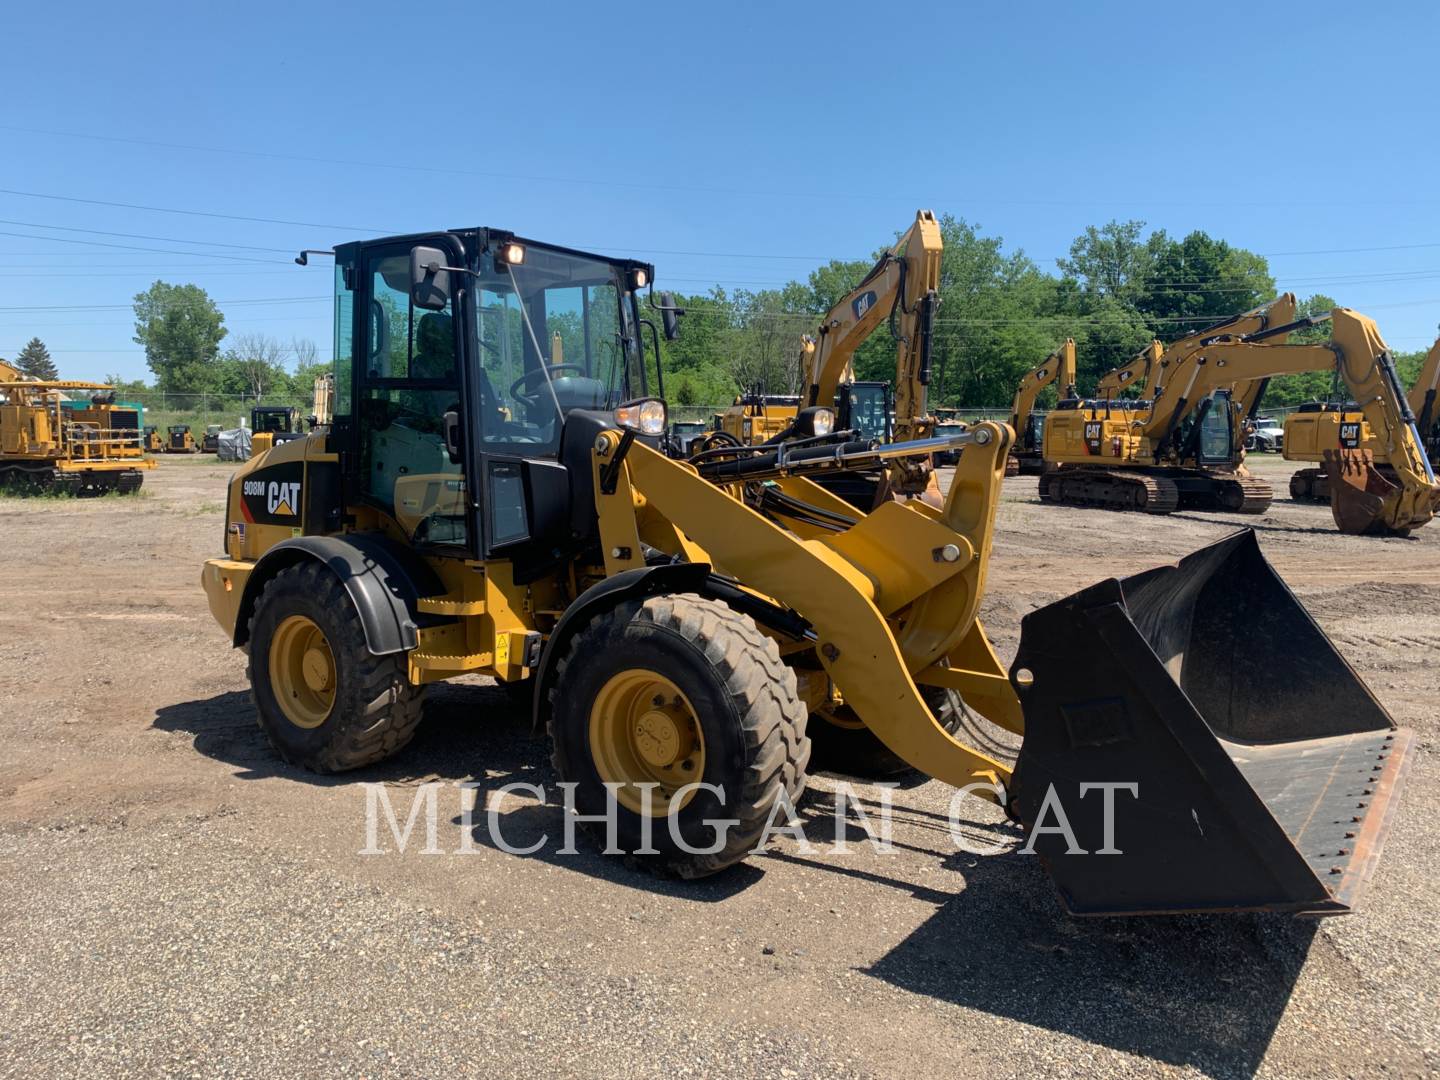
(1184, 446)
(1318, 428)
(179, 440)
(50, 443)
(680, 623)
(1028, 425)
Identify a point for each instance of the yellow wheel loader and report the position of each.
(1029, 426)
(1321, 427)
(46, 445)
(475, 509)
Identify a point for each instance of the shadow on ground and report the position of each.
(1201, 991)
(471, 733)
(1204, 992)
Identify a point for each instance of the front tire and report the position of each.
(673, 690)
(323, 700)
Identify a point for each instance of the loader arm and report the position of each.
(902, 287)
(1367, 368)
(1059, 365)
(892, 599)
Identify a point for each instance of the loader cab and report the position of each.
(474, 369)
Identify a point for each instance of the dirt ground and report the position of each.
(177, 901)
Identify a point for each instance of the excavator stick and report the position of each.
(1263, 770)
(1358, 492)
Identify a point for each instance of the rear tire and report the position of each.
(324, 701)
(708, 699)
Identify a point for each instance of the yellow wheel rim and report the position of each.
(643, 730)
(302, 672)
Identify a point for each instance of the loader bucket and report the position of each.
(1357, 492)
(1265, 770)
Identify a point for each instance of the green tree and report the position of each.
(181, 330)
(34, 359)
(1198, 280)
(1111, 261)
(253, 368)
(127, 388)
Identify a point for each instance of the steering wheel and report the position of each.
(537, 375)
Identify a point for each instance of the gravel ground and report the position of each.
(180, 902)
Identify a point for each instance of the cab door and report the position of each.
(410, 391)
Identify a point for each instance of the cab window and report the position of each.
(411, 382)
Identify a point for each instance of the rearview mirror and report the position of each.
(429, 279)
(670, 315)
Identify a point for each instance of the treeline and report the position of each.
(187, 350)
(1000, 315)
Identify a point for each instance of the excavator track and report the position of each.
(1310, 485)
(1244, 495)
(1111, 489)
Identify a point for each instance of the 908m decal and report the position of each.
(271, 496)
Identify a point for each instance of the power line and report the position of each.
(189, 213)
(862, 196)
(131, 247)
(142, 236)
(127, 307)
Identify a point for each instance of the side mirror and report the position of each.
(429, 279)
(670, 315)
(452, 436)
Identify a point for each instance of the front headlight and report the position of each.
(816, 421)
(645, 417)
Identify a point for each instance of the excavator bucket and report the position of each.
(1244, 764)
(1357, 491)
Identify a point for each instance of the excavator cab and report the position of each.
(866, 408)
(1214, 432)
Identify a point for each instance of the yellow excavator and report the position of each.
(1027, 456)
(902, 289)
(475, 509)
(1319, 427)
(1185, 445)
(1164, 470)
(48, 443)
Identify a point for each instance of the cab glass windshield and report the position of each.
(554, 332)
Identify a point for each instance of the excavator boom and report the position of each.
(1058, 366)
(903, 289)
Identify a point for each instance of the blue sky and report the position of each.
(735, 143)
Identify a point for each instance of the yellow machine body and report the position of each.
(46, 445)
(789, 597)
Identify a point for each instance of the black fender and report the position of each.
(654, 581)
(384, 579)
